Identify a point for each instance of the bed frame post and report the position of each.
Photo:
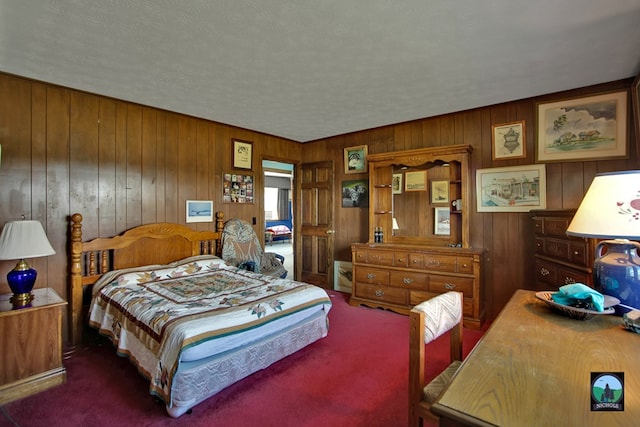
(76, 279)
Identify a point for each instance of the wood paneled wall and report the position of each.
(506, 237)
(121, 164)
(117, 163)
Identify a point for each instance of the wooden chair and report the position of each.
(429, 320)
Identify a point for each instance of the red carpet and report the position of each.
(356, 376)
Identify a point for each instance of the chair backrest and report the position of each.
(428, 321)
(240, 243)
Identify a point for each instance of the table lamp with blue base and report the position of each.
(21, 240)
(610, 210)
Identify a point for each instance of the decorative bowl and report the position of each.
(576, 312)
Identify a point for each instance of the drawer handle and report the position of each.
(544, 271)
(569, 280)
(538, 245)
(379, 293)
(465, 265)
(370, 276)
(434, 262)
(449, 286)
(407, 280)
(400, 260)
(415, 261)
(576, 253)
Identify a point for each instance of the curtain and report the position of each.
(283, 203)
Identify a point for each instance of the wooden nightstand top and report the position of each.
(43, 297)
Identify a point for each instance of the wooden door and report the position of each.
(316, 219)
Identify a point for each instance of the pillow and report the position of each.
(152, 273)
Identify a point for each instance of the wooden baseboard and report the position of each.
(32, 385)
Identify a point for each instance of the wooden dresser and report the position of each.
(560, 259)
(31, 343)
(397, 277)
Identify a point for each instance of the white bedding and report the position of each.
(167, 318)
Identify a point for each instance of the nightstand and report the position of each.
(31, 345)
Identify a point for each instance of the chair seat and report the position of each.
(436, 386)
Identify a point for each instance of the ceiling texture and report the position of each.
(308, 70)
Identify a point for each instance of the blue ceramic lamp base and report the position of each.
(617, 273)
(21, 280)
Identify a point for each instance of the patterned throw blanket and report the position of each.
(155, 314)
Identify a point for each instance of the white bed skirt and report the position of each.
(196, 381)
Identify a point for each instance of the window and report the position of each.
(271, 203)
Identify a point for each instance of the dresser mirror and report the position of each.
(418, 196)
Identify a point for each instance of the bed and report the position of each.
(279, 232)
(190, 323)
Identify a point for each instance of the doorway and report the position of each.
(278, 211)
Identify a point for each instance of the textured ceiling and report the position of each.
(307, 70)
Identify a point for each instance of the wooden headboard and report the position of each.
(158, 243)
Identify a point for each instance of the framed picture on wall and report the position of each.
(355, 159)
(439, 191)
(355, 194)
(415, 181)
(396, 183)
(199, 211)
(580, 129)
(511, 189)
(442, 222)
(237, 188)
(508, 141)
(242, 154)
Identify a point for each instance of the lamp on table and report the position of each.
(611, 210)
(21, 240)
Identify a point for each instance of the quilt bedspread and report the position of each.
(152, 316)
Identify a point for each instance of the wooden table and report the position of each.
(533, 368)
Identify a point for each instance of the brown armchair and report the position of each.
(429, 320)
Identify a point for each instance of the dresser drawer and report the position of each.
(401, 259)
(464, 264)
(557, 249)
(409, 279)
(441, 284)
(371, 275)
(579, 253)
(568, 276)
(440, 263)
(555, 226)
(546, 273)
(416, 260)
(382, 293)
(380, 257)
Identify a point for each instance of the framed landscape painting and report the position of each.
(580, 129)
(511, 189)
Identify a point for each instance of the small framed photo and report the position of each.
(442, 222)
(396, 183)
(508, 141)
(242, 154)
(439, 191)
(582, 129)
(355, 159)
(415, 181)
(199, 211)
